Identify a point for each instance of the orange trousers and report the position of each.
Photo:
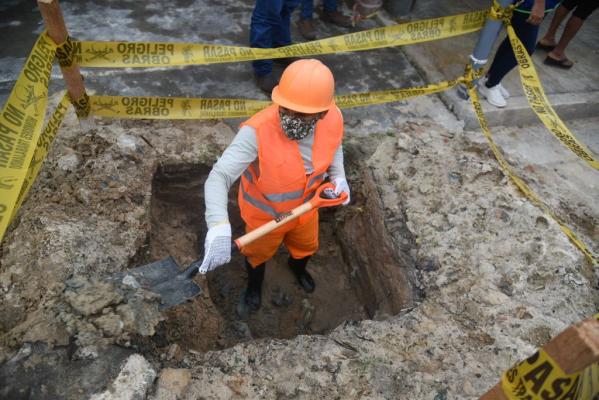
(300, 238)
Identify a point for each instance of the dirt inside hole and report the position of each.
(347, 274)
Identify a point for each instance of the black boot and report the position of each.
(253, 293)
(298, 266)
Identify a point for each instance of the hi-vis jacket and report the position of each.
(276, 182)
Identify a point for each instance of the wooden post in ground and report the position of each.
(54, 22)
(572, 350)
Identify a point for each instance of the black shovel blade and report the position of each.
(163, 277)
(176, 291)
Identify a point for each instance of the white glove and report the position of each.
(341, 186)
(217, 248)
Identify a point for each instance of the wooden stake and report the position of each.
(573, 350)
(57, 30)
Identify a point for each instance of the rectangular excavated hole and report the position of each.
(356, 269)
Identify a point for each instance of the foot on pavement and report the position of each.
(306, 28)
(336, 18)
(564, 63)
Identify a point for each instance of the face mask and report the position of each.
(296, 128)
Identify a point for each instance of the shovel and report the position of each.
(164, 277)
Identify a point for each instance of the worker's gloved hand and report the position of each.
(342, 186)
(217, 247)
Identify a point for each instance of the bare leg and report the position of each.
(573, 25)
(560, 15)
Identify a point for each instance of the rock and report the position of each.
(132, 383)
(505, 285)
(280, 298)
(92, 297)
(425, 188)
(172, 384)
(140, 316)
(68, 162)
(129, 280)
(110, 324)
(486, 268)
(243, 330)
(522, 313)
(541, 222)
(441, 395)
(126, 143)
(86, 353)
(429, 264)
(307, 312)
(455, 178)
(23, 353)
(174, 352)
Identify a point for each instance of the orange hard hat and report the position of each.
(306, 86)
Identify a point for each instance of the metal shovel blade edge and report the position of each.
(164, 278)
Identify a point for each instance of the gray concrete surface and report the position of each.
(199, 21)
(468, 320)
(573, 93)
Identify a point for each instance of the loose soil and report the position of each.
(437, 277)
(210, 322)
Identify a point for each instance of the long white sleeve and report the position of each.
(242, 151)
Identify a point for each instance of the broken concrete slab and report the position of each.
(132, 383)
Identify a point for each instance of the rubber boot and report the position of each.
(253, 293)
(298, 266)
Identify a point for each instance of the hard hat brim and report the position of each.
(277, 98)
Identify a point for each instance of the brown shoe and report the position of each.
(306, 28)
(266, 82)
(336, 18)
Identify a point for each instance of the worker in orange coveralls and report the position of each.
(282, 154)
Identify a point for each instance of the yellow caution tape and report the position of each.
(82, 106)
(588, 386)
(43, 145)
(135, 107)
(388, 96)
(504, 14)
(539, 377)
(153, 54)
(519, 182)
(20, 124)
(540, 105)
(65, 53)
(173, 107)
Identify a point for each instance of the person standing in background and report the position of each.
(526, 20)
(557, 50)
(270, 27)
(330, 13)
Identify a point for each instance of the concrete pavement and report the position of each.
(198, 21)
(573, 93)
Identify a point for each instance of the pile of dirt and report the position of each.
(436, 278)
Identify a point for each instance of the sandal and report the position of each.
(564, 63)
(545, 47)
